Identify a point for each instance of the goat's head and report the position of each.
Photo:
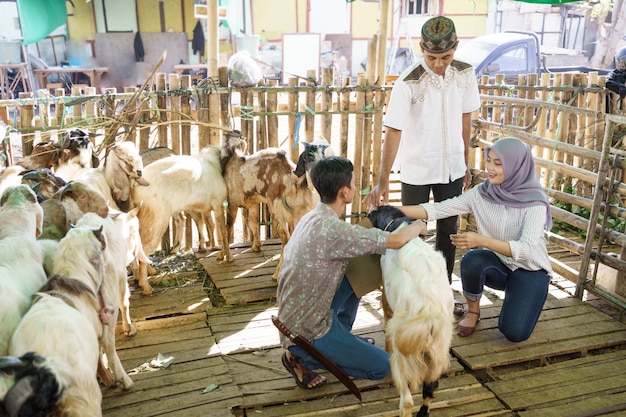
(49, 183)
(22, 198)
(127, 158)
(78, 147)
(88, 199)
(312, 153)
(388, 218)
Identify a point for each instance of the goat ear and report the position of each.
(100, 236)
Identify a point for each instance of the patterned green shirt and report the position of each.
(314, 264)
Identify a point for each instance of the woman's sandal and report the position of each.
(308, 376)
(465, 331)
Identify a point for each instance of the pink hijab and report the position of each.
(521, 187)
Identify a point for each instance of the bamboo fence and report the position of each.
(575, 126)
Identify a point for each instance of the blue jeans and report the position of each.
(354, 355)
(524, 291)
(419, 194)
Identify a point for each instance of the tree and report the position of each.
(609, 33)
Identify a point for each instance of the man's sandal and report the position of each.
(458, 308)
(369, 340)
(308, 376)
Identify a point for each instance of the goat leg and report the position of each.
(428, 392)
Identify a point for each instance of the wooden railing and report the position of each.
(573, 123)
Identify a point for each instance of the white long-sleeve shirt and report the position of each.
(521, 227)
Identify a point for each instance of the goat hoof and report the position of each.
(423, 412)
(202, 250)
(131, 331)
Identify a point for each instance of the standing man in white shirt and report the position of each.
(428, 126)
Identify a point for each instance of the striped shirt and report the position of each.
(521, 227)
(314, 264)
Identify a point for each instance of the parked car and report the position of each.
(511, 54)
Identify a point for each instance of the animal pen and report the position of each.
(578, 145)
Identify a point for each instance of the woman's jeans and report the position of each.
(355, 356)
(524, 291)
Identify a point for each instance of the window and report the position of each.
(420, 7)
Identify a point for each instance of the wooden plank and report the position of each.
(180, 397)
(579, 345)
(561, 385)
(603, 405)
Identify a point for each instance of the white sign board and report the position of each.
(301, 53)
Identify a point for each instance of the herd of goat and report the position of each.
(66, 221)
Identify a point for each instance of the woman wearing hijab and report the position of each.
(509, 249)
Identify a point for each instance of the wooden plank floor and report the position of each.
(226, 360)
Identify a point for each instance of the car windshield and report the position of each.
(474, 52)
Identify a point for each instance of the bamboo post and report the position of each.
(262, 120)
(132, 129)
(540, 130)
(162, 106)
(247, 120)
(380, 102)
(212, 41)
(185, 145)
(595, 211)
(59, 108)
(370, 69)
(144, 125)
(326, 104)
(185, 109)
(204, 139)
(44, 116)
(272, 118)
(292, 108)
(26, 121)
(358, 148)
(224, 97)
(215, 134)
(110, 133)
(367, 142)
(174, 112)
(497, 110)
(309, 113)
(381, 56)
(91, 114)
(345, 120)
(77, 109)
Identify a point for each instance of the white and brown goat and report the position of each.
(267, 177)
(419, 332)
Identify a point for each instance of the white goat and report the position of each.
(180, 183)
(64, 323)
(114, 289)
(416, 288)
(21, 257)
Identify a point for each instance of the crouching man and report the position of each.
(315, 299)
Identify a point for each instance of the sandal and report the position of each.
(308, 376)
(465, 331)
(458, 308)
(369, 340)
